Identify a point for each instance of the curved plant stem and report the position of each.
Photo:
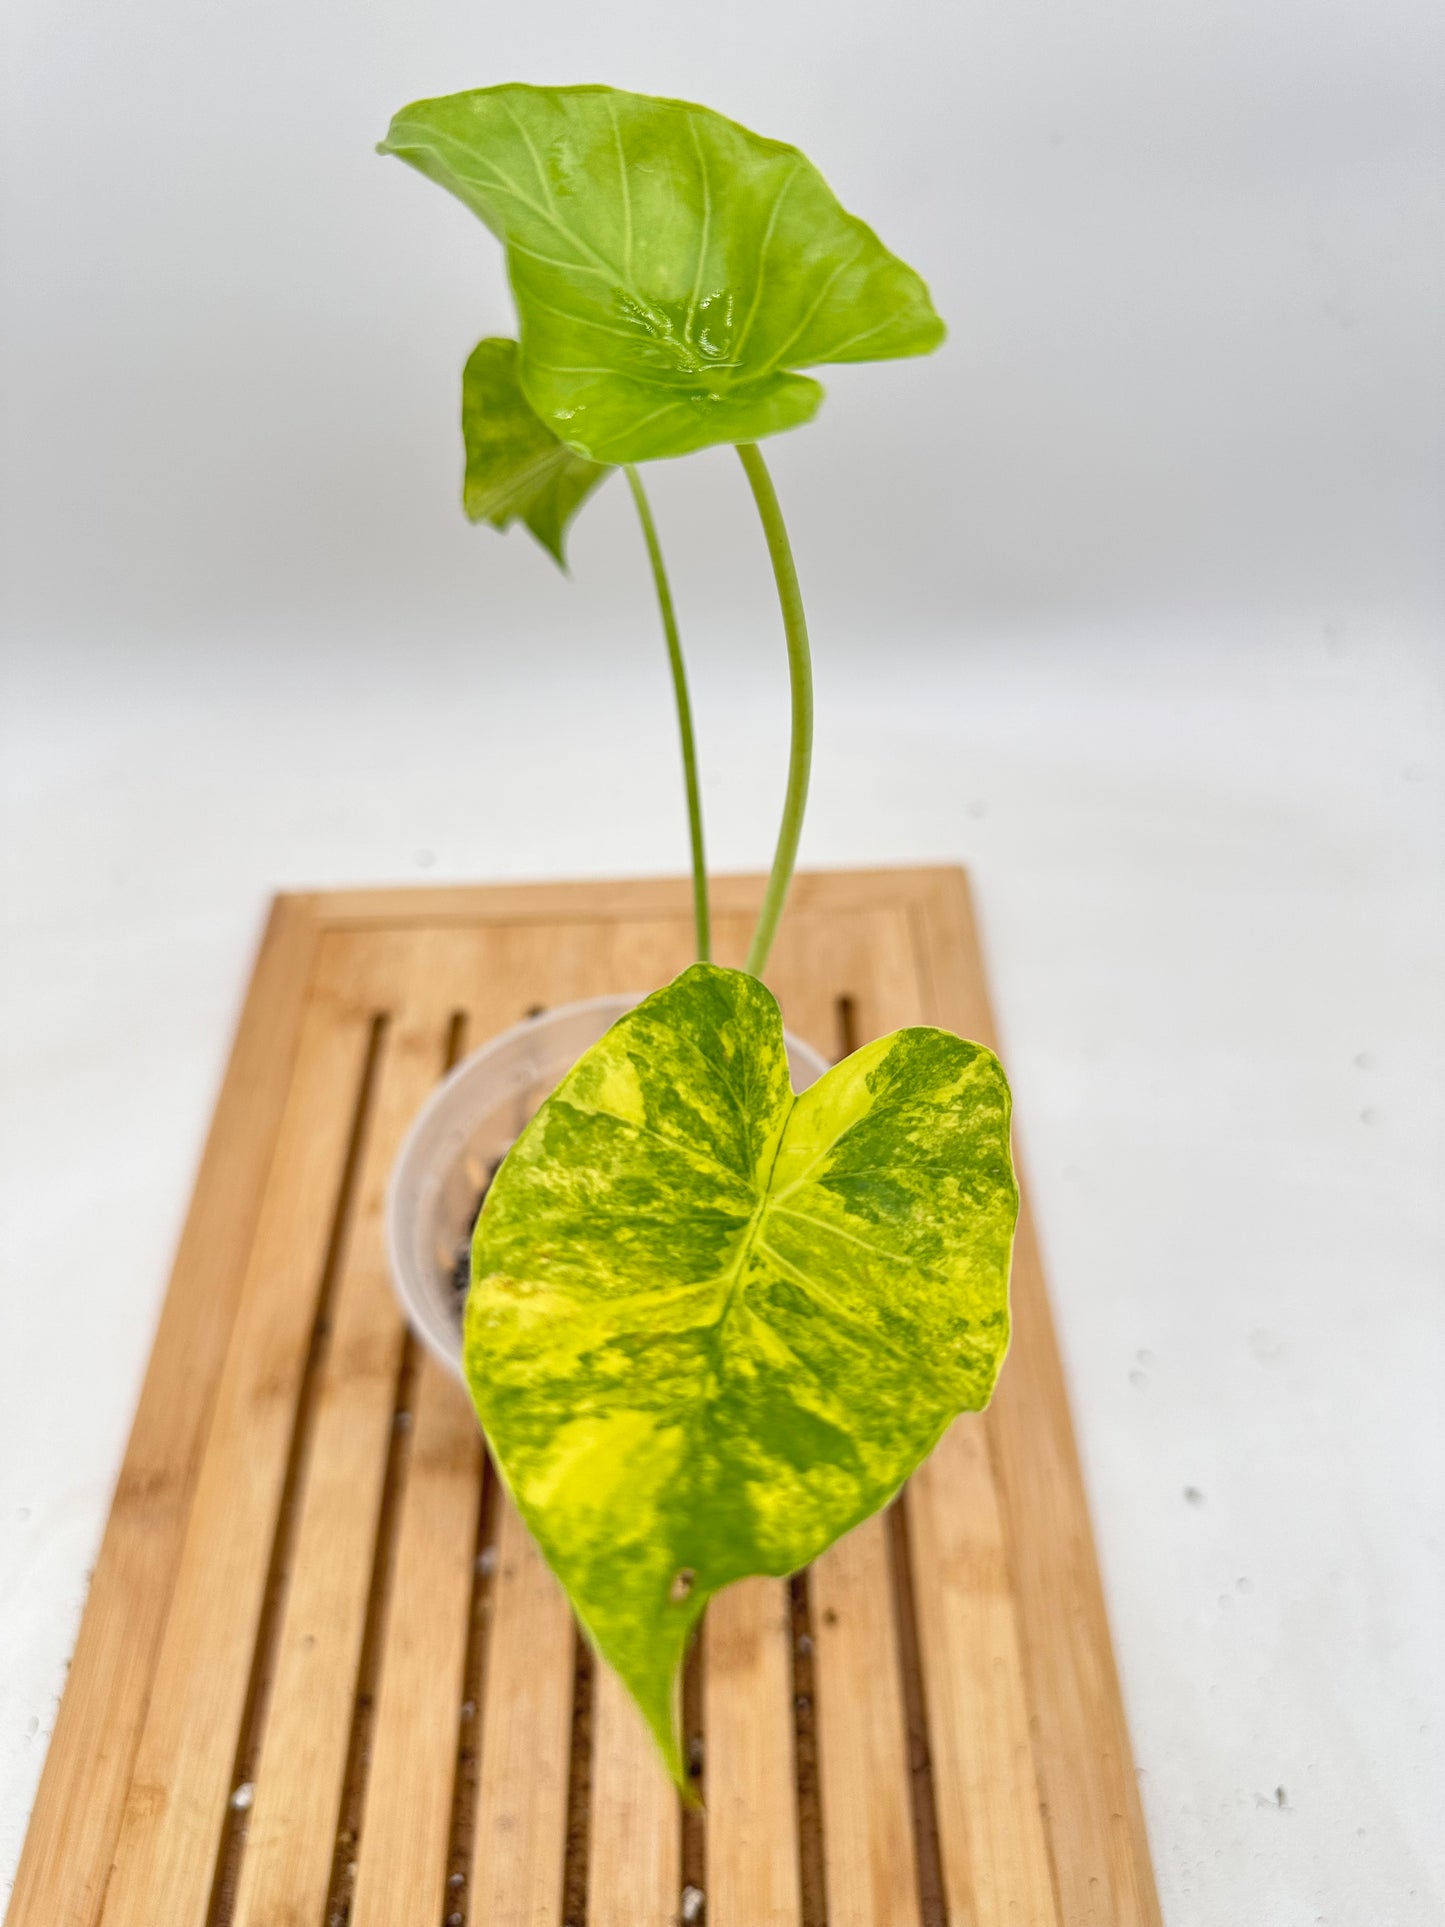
(684, 716)
(800, 678)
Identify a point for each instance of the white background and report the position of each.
(1130, 599)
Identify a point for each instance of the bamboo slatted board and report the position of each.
(324, 1677)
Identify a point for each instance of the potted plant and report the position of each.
(712, 1324)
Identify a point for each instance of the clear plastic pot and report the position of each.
(462, 1134)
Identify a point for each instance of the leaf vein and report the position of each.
(626, 186)
(763, 247)
(864, 1244)
(703, 238)
(840, 347)
(823, 1300)
(775, 359)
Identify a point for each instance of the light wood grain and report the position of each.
(518, 1850)
(832, 893)
(868, 1840)
(634, 1874)
(991, 1830)
(752, 1825)
(171, 1827)
(67, 1853)
(301, 1767)
(402, 1861)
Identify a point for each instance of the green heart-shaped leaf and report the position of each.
(672, 270)
(516, 467)
(712, 1325)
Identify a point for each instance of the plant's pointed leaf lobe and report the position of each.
(713, 1326)
(673, 271)
(516, 467)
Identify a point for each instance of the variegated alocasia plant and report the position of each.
(712, 1325)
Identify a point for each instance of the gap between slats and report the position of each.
(358, 1750)
(932, 1908)
(467, 1777)
(812, 1875)
(692, 1820)
(579, 1785)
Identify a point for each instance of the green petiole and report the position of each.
(701, 918)
(800, 678)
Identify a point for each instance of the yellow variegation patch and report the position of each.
(712, 1325)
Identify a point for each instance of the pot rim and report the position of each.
(421, 1307)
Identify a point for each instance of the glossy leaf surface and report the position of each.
(517, 470)
(672, 271)
(712, 1326)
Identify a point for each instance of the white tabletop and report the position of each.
(1130, 600)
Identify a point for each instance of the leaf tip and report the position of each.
(554, 548)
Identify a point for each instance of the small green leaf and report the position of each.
(516, 467)
(712, 1325)
(672, 270)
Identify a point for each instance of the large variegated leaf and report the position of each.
(516, 467)
(713, 1325)
(672, 270)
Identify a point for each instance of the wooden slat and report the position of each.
(171, 1826)
(518, 1850)
(401, 1878)
(291, 1836)
(868, 1844)
(634, 1871)
(752, 1829)
(67, 1853)
(991, 1830)
(1098, 1847)
(1081, 1744)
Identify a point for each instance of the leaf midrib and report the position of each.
(750, 1236)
